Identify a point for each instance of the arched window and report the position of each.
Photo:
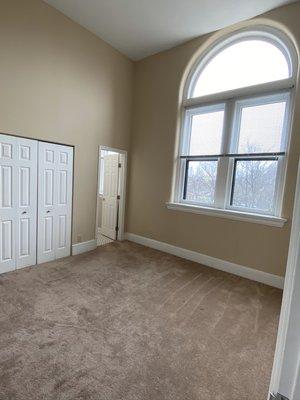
(245, 63)
(236, 124)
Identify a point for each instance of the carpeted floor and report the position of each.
(125, 322)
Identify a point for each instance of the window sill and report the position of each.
(229, 214)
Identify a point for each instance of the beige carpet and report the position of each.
(125, 322)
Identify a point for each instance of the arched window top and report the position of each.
(245, 60)
(236, 117)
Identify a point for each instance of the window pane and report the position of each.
(206, 133)
(201, 181)
(254, 184)
(243, 64)
(261, 128)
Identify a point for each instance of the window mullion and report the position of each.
(183, 148)
(224, 162)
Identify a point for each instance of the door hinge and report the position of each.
(117, 228)
(118, 197)
(120, 165)
(277, 396)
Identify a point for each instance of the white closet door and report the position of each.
(27, 198)
(54, 201)
(18, 202)
(110, 196)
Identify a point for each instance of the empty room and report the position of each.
(149, 200)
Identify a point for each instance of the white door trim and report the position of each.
(286, 367)
(122, 201)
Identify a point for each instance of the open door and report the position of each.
(110, 196)
(285, 382)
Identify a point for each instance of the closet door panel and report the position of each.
(18, 202)
(8, 203)
(27, 202)
(48, 232)
(46, 202)
(25, 241)
(64, 176)
(7, 251)
(55, 201)
(7, 187)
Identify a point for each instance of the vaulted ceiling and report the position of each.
(138, 28)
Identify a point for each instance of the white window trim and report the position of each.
(229, 214)
(230, 98)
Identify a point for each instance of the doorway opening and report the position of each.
(111, 192)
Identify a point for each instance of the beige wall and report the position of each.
(156, 97)
(60, 83)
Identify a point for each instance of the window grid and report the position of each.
(229, 154)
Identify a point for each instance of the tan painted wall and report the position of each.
(60, 83)
(156, 98)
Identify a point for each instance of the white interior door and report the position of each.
(18, 202)
(54, 201)
(110, 196)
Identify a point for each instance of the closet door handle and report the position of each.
(47, 212)
(24, 212)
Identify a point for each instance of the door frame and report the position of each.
(286, 366)
(122, 201)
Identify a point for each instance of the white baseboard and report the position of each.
(83, 247)
(5, 269)
(227, 266)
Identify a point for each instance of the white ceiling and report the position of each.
(139, 28)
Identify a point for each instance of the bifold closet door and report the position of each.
(54, 201)
(18, 202)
